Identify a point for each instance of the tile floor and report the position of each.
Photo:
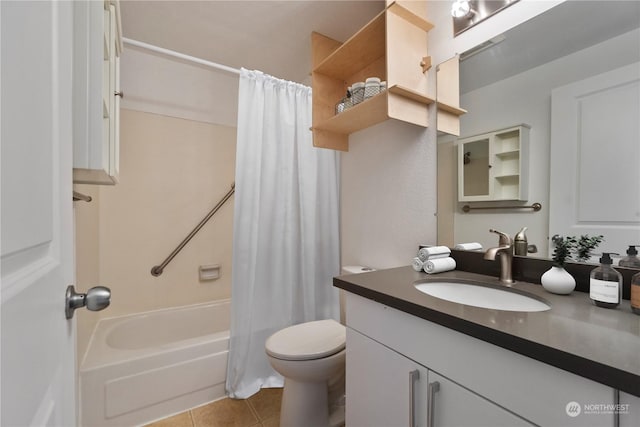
(260, 410)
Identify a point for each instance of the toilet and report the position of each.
(311, 358)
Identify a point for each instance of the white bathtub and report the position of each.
(143, 367)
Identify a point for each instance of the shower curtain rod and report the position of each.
(179, 55)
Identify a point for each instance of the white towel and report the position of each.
(475, 246)
(439, 265)
(417, 264)
(433, 252)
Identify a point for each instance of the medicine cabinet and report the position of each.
(96, 91)
(494, 166)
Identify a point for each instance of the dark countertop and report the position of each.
(575, 335)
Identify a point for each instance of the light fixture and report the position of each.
(467, 13)
(460, 8)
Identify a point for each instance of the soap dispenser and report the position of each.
(520, 243)
(605, 284)
(635, 293)
(631, 260)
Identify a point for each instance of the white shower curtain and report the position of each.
(285, 230)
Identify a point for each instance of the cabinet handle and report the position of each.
(413, 377)
(432, 389)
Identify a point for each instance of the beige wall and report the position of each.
(172, 173)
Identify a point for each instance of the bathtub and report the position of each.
(143, 367)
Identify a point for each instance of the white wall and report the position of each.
(388, 199)
(526, 98)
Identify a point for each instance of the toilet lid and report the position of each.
(307, 341)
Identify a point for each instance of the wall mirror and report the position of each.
(573, 75)
(473, 179)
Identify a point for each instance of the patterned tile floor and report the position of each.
(260, 410)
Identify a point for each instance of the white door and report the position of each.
(595, 159)
(38, 343)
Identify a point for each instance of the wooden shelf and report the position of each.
(507, 154)
(368, 113)
(391, 46)
(457, 111)
(364, 47)
(409, 16)
(358, 117)
(411, 94)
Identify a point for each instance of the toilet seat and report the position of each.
(307, 341)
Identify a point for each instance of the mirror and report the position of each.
(512, 81)
(475, 169)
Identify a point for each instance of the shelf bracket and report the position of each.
(425, 63)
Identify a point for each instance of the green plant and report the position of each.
(564, 246)
(585, 245)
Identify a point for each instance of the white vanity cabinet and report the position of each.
(630, 415)
(494, 166)
(385, 388)
(480, 383)
(96, 91)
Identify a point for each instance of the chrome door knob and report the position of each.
(96, 299)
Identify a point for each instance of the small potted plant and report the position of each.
(585, 245)
(557, 280)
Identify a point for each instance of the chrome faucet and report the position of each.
(505, 251)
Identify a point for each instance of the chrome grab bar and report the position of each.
(157, 269)
(535, 207)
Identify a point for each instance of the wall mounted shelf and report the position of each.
(392, 46)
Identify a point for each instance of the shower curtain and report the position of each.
(285, 230)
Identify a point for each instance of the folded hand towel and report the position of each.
(417, 264)
(475, 246)
(433, 252)
(439, 265)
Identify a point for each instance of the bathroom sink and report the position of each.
(482, 295)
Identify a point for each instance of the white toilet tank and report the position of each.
(354, 269)
(349, 269)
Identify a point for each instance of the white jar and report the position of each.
(357, 93)
(371, 87)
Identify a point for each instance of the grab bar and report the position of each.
(157, 269)
(535, 207)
